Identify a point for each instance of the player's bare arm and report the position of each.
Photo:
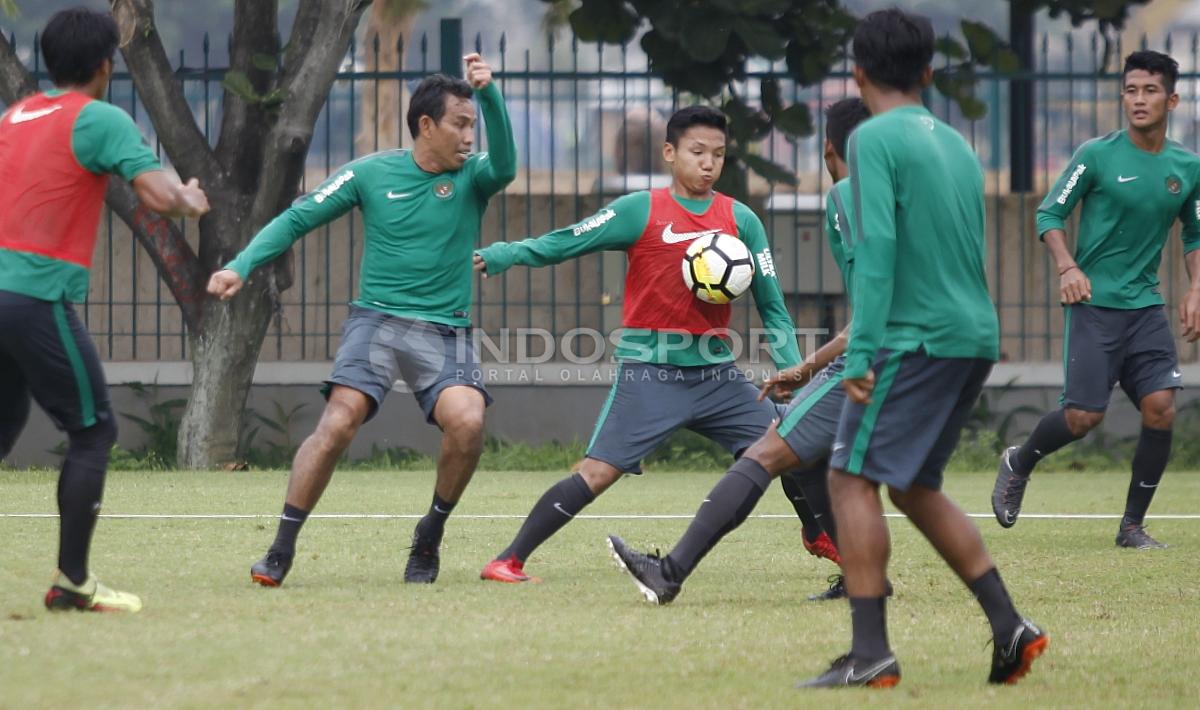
(1073, 284)
(1189, 308)
(163, 193)
(793, 378)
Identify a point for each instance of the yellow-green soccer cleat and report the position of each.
(89, 596)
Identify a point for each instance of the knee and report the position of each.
(899, 499)
(1159, 415)
(338, 426)
(773, 454)
(1080, 422)
(598, 475)
(98, 437)
(464, 422)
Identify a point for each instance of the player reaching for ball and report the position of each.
(675, 365)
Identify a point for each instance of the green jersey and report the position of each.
(919, 279)
(837, 229)
(1130, 200)
(419, 227)
(618, 227)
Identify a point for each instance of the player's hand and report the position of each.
(195, 202)
(480, 265)
(1074, 286)
(479, 72)
(785, 382)
(859, 389)
(224, 284)
(1189, 315)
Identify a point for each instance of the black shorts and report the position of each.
(46, 354)
(906, 435)
(649, 402)
(378, 350)
(1104, 346)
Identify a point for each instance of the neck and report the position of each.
(94, 88)
(680, 190)
(1151, 139)
(881, 100)
(426, 160)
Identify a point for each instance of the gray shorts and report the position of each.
(905, 436)
(650, 402)
(379, 349)
(1104, 346)
(810, 422)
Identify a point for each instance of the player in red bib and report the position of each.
(676, 365)
(57, 149)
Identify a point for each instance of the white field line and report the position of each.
(618, 516)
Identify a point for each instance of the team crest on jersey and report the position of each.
(1174, 185)
(443, 189)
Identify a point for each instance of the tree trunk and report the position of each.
(382, 118)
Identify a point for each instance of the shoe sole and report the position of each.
(1028, 656)
(264, 580)
(650, 595)
(508, 580)
(889, 681)
(62, 600)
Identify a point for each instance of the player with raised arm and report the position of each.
(799, 445)
(57, 151)
(1133, 183)
(421, 211)
(676, 367)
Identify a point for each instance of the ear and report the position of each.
(425, 125)
(927, 77)
(668, 153)
(860, 76)
(1172, 102)
(830, 153)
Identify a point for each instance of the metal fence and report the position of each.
(588, 121)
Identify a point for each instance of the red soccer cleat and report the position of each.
(510, 571)
(823, 547)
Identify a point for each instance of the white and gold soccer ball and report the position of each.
(718, 268)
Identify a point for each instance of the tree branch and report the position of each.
(245, 123)
(162, 93)
(320, 37)
(172, 255)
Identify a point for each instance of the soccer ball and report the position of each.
(717, 268)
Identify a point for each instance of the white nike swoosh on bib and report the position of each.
(20, 115)
(674, 238)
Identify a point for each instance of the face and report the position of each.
(831, 161)
(697, 161)
(1146, 100)
(451, 138)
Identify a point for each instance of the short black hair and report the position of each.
(429, 99)
(1154, 63)
(894, 47)
(75, 44)
(841, 118)
(689, 116)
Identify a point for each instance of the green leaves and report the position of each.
(611, 21)
(265, 62)
(771, 172)
(238, 84)
(10, 9)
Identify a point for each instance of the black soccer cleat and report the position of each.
(1009, 491)
(423, 558)
(271, 569)
(847, 672)
(1136, 537)
(1012, 659)
(837, 590)
(646, 571)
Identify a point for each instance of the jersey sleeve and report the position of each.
(768, 295)
(873, 190)
(1068, 190)
(1190, 216)
(615, 227)
(498, 166)
(105, 140)
(333, 198)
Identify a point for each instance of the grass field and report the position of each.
(345, 631)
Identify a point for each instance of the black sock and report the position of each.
(80, 488)
(1149, 462)
(289, 527)
(868, 620)
(1050, 435)
(994, 599)
(727, 505)
(814, 482)
(434, 521)
(554, 509)
(795, 495)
